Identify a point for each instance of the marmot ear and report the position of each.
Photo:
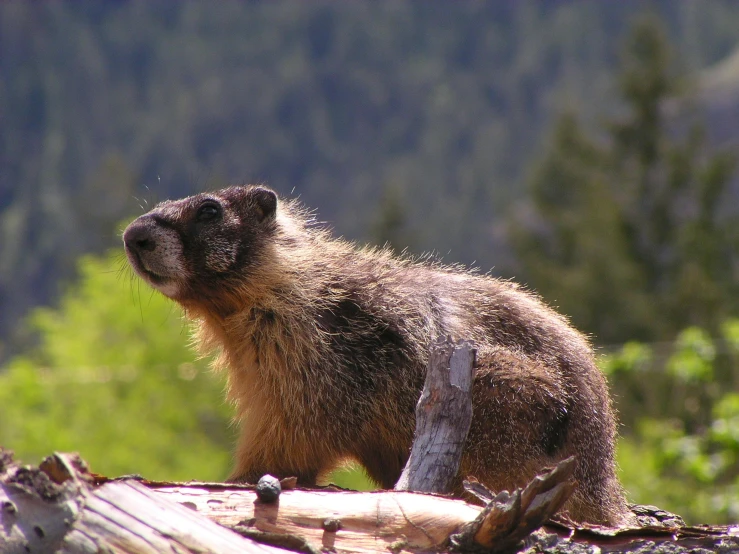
(265, 201)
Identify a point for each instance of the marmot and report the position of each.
(326, 346)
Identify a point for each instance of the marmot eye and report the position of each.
(208, 211)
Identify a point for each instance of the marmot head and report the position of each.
(198, 250)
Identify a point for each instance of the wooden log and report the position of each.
(33, 514)
(443, 417)
(63, 508)
(342, 521)
(125, 516)
(382, 521)
(40, 515)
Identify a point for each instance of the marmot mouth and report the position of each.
(155, 278)
(140, 268)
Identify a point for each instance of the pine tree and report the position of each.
(625, 231)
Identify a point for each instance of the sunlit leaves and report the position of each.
(114, 379)
(694, 356)
(725, 426)
(681, 450)
(633, 356)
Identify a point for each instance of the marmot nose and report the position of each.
(138, 237)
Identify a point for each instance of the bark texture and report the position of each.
(443, 417)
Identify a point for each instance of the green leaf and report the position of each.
(693, 357)
(114, 379)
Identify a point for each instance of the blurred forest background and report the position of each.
(587, 149)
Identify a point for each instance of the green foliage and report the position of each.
(725, 427)
(352, 477)
(625, 231)
(113, 378)
(632, 357)
(680, 448)
(693, 359)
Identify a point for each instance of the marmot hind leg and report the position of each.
(523, 416)
(520, 420)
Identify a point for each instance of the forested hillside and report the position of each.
(414, 122)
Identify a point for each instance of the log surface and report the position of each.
(40, 515)
(63, 508)
(340, 520)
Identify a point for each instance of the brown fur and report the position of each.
(326, 344)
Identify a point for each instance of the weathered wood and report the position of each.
(41, 515)
(509, 518)
(383, 521)
(65, 509)
(31, 523)
(443, 417)
(363, 522)
(127, 517)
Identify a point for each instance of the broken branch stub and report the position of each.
(443, 417)
(511, 517)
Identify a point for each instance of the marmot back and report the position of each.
(326, 346)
